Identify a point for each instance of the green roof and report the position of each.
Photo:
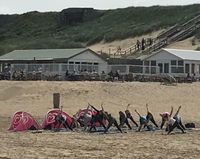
(42, 54)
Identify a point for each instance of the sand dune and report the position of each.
(36, 98)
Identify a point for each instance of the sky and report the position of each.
(22, 6)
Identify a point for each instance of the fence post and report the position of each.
(56, 100)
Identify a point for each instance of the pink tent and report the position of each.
(80, 115)
(23, 121)
(50, 118)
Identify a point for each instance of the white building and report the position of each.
(54, 61)
(173, 61)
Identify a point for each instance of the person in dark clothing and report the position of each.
(59, 119)
(111, 120)
(111, 74)
(98, 117)
(138, 45)
(177, 117)
(129, 116)
(143, 43)
(117, 75)
(123, 120)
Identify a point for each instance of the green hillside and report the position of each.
(36, 30)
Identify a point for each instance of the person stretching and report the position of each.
(98, 117)
(111, 120)
(129, 116)
(174, 123)
(123, 120)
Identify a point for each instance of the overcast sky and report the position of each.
(22, 6)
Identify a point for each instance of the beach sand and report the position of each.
(36, 97)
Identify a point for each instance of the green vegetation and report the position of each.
(36, 30)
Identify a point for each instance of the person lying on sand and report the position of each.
(98, 117)
(173, 122)
(129, 116)
(111, 120)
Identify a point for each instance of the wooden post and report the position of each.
(56, 100)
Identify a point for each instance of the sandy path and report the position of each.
(36, 98)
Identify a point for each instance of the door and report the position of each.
(166, 68)
(187, 68)
(160, 65)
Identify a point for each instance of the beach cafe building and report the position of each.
(54, 61)
(174, 61)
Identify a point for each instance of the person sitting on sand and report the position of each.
(111, 120)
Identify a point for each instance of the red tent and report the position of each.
(50, 118)
(23, 121)
(80, 115)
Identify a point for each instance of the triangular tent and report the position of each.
(80, 115)
(49, 120)
(23, 121)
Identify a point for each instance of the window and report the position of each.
(121, 69)
(193, 68)
(153, 63)
(146, 63)
(174, 70)
(180, 62)
(135, 69)
(173, 62)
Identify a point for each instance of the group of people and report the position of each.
(105, 120)
(141, 45)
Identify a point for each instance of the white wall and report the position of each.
(163, 56)
(88, 56)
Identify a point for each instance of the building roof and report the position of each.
(42, 54)
(182, 54)
(185, 54)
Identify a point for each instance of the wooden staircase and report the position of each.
(175, 33)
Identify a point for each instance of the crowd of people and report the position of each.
(105, 120)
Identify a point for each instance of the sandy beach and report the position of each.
(36, 98)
